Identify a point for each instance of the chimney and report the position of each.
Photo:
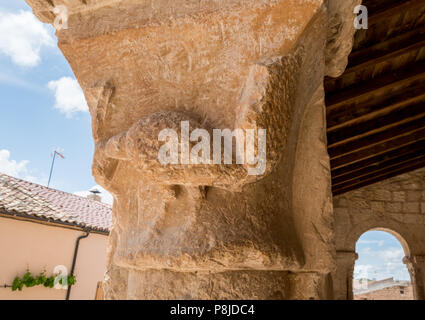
(95, 195)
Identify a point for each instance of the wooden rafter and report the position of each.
(376, 109)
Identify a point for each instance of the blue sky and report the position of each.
(380, 257)
(42, 108)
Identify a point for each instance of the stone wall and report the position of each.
(393, 293)
(396, 205)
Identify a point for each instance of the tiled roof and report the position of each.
(33, 200)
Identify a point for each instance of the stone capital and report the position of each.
(145, 66)
(418, 260)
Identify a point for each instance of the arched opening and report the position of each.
(380, 272)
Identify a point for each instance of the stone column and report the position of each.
(416, 266)
(211, 231)
(343, 275)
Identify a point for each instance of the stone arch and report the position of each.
(346, 258)
(397, 206)
(401, 238)
(398, 236)
(395, 230)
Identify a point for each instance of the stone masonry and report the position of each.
(396, 205)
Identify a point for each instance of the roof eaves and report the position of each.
(52, 222)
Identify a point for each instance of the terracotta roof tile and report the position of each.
(24, 197)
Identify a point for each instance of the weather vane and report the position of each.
(55, 152)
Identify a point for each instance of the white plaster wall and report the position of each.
(40, 246)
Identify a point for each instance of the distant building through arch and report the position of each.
(393, 206)
(379, 272)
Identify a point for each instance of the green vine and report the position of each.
(29, 281)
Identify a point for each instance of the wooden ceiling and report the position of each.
(376, 109)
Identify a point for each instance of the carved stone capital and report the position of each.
(192, 230)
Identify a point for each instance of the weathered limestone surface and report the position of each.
(340, 35)
(416, 266)
(397, 206)
(211, 231)
(342, 277)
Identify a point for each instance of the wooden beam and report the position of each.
(377, 160)
(360, 129)
(401, 41)
(377, 167)
(378, 17)
(404, 129)
(356, 93)
(377, 6)
(349, 115)
(385, 51)
(407, 167)
(376, 126)
(377, 149)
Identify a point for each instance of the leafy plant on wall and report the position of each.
(29, 280)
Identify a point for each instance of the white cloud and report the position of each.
(382, 270)
(14, 168)
(363, 270)
(379, 243)
(22, 36)
(367, 251)
(391, 255)
(69, 97)
(381, 263)
(105, 195)
(11, 167)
